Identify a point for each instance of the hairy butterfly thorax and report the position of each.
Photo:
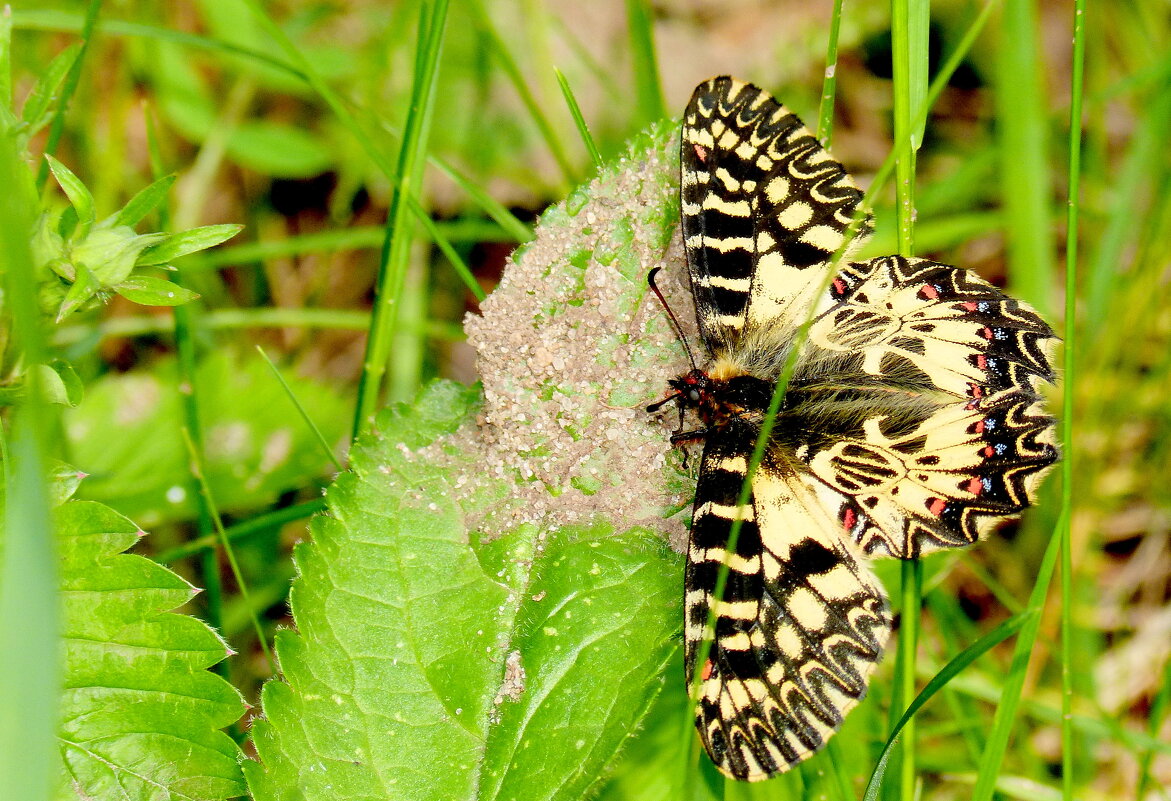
(912, 422)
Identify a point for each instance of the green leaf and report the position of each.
(60, 383)
(144, 202)
(434, 663)
(140, 713)
(191, 241)
(84, 287)
(36, 113)
(150, 291)
(937, 683)
(79, 197)
(488, 611)
(111, 253)
(125, 433)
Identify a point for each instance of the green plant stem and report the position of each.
(229, 550)
(825, 113)
(911, 587)
(396, 249)
(909, 24)
(225, 319)
(937, 683)
(243, 529)
(1010, 694)
(187, 387)
(355, 238)
(1068, 757)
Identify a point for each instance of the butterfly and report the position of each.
(912, 422)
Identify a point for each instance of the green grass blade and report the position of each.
(1010, 696)
(953, 61)
(1128, 200)
(650, 106)
(1067, 411)
(492, 207)
(937, 683)
(57, 126)
(306, 70)
(1023, 119)
(188, 389)
(29, 615)
(6, 60)
(361, 237)
(396, 251)
(66, 22)
(301, 410)
(578, 120)
(512, 70)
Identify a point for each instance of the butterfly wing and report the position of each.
(801, 622)
(949, 438)
(764, 207)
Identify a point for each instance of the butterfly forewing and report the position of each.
(801, 622)
(764, 206)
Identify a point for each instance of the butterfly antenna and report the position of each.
(650, 279)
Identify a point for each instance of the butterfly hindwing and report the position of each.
(763, 207)
(801, 622)
(952, 439)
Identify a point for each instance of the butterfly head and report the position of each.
(692, 386)
(719, 394)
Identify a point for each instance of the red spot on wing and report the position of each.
(988, 452)
(706, 673)
(986, 332)
(969, 306)
(929, 292)
(700, 152)
(982, 361)
(849, 518)
(973, 485)
(936, 506)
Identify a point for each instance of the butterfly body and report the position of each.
(910, 422)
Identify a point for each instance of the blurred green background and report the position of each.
(255, 141)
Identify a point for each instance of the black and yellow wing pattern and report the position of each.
(912, 422)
